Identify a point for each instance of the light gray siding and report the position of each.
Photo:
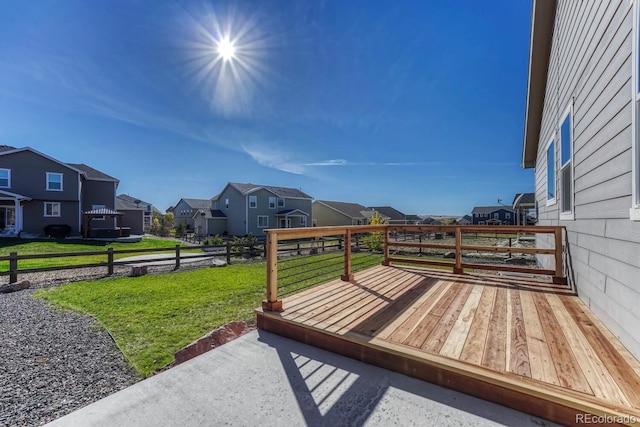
(236, 211)
(591, 67)
(325, 216)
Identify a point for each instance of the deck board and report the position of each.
(524, 338)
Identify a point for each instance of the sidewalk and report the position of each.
(264, 379)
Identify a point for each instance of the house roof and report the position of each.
(412, 217)
(6, 148)
(211, 213)
(391, 213)
(524, 200)
(125, 201)
(93, 174)
(542, 18)
(197, 203)
(103, 211)
(489, 209)
(292, 212)
(14, 195)
(282, 192)
(352, 210)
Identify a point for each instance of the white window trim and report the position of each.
(553, 200)
(8, 178)
(255, 199)
(98, 218)
(52, 204)
(226, 203)
(61, 181)
(266, 225)
(275, 202)
(634, 211)
(568, 215)
(278, 202)
(303, 221)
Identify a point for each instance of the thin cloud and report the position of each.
(343, 162)
(274, 159)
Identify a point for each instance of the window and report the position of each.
(496, 215)
(480, 222)
(551, 173)
(226, 203)
(5, 178)
(96, 207)
(566, 170)
(303, 221)
(51, 208)
(263, 221)
(54, 181)
(272, 202)
(280, 203)
(253, 202)
(507, 215)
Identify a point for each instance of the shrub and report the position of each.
(375, 241)
(213, 241)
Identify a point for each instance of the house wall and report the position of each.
(99, 193)
(186, 217)
(591, 63)
(35, 221)
(302, 204)
(325, 216)
(28, 177)
(132, 218)
(216, 226)
(263, 209)
(236, 212)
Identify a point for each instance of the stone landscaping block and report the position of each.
(14, 287)
(138, 270)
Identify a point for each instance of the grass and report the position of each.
(151, 317)
(33, 247)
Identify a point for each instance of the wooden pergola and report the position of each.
(88, 216)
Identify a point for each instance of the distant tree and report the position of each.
(375, 240)
(162, 224)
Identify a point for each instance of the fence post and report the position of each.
(458, 267)
(386, 246)
(420, 241)
(177, 257)
(509, 246)
(298, 248)
(348, 275)
(559, 275)
(110, 261)
(13, 267)
(229, 252)
(272, 303)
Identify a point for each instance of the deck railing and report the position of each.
(414, 244)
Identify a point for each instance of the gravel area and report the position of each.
(53, 361)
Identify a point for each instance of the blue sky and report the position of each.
(414, 104)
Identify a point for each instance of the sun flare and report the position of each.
(226, 49)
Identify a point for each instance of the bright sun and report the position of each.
(226, 49)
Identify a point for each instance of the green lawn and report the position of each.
(32, 247)
(151, 317)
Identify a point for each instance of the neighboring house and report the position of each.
(329, 213)
(37, 190)
(252, 208)
(581, 136)
(391, 215)
(465, 220)
(431, 221)
(493, 215)
(138, 214)
(186, 209)
(413, 219)
(524, 205)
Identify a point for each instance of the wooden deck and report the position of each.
(522, 342)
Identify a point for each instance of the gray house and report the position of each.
(581, 136)
(252, 208)
(329, 213)
(186, 210)
(37, 190)
(138, 214)
(493, 215)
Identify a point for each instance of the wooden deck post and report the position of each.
(272, 303)
(559, 277)
(386, 247)
(348, 275)
(458, 267)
